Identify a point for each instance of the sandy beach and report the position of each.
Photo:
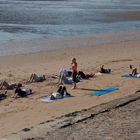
(118, 54)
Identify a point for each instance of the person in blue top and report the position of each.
(35, 78)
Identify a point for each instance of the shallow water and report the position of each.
(37, 19)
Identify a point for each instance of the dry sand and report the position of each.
(17, 114)
(120, 120)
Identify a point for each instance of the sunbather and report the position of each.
(134, 71)
(3, 95)
(103, 70)
(35, 78)
(5, 86)
(21, 92)
(60, 93)
(83, 75)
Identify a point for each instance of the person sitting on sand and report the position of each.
(35, 78)
(103, 70)
(64, 77)
(5, 86)
(60, 93)
(3, 95)
(21, 92)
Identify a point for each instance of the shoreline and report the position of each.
(28, 112)
(27, 47)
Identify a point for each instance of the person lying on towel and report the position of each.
(21, 92)
(60, 93)
(103, 70)
(35, 78)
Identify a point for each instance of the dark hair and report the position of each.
(131, 66)
(19, 85)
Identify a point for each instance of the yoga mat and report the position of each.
(48, 100)
(102, 92)
(129, 76)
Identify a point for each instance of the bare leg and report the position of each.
(60, 89)
(4, 85)
(31, 77)
(74, 80)
(74, 85)
(61, 79)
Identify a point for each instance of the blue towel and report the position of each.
(129, 76)
(102, 92)
(48, 100)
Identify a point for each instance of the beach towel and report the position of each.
(130, 76)
(102, 92)
(48, 100)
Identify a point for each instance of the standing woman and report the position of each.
(74, 72)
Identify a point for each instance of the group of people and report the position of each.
(20, 91)
(65, 77)
(23, 92)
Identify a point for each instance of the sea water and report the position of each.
(45, 19)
